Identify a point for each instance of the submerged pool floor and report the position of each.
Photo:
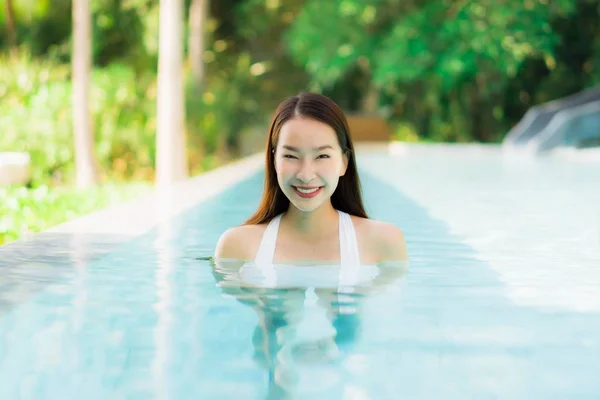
(144, 318)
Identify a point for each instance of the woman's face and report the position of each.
(309, 162)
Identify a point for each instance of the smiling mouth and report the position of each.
(307, 192)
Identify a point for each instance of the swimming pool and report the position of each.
(502, 298)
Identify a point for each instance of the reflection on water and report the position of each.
(309, 320)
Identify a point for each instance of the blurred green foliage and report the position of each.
(450, 67)
(24, 211)
(456, 70)
(35, 109)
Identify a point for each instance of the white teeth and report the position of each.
(307, 190)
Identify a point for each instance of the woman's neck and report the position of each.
(313, 223)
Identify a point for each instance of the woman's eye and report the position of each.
(323, 156)
(288, 156)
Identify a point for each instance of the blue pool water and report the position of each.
(501, 299)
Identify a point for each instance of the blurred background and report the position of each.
(97, 97)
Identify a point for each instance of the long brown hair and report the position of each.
(347, 196)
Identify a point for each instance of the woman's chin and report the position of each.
(306, 208)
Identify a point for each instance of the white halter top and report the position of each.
(262, 272)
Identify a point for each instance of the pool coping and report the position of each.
(141, 214)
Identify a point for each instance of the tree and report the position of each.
(171, 160)
(11, 30)
(85, 163)
(197, 22)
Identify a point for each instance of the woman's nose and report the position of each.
(306, 173)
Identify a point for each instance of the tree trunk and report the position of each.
(370, 101)
(197, 22)
(85, 163)
(196, 45)
(171, 158)
(478, 125)
(11, 29)
(222, 151)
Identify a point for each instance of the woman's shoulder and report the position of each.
(240, 242)
(383, 238)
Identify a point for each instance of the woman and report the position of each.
(312, 205)
(311, 210)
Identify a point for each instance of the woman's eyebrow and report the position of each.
(292, 148)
